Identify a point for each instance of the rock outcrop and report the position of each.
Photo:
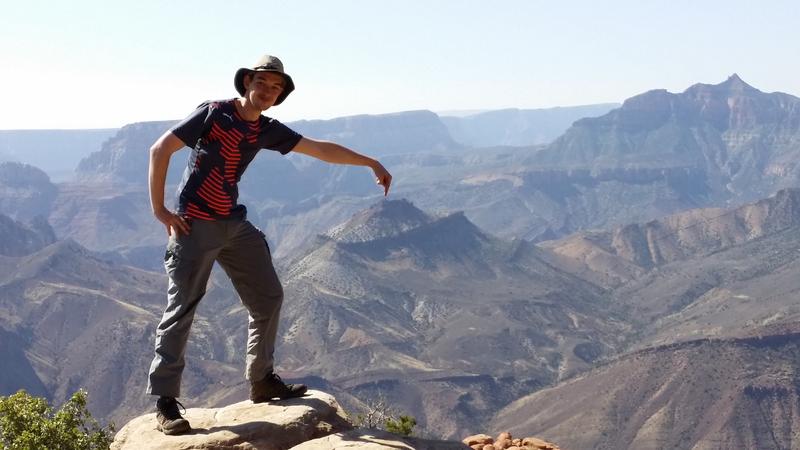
(313, 422)
(505, 441)
(242, 425)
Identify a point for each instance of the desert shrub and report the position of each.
(28, 422)
(378, 414)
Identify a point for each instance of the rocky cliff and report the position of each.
(124, 157)
(25, 191)
(745, 140)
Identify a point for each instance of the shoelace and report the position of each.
(277, 378)
(177, 403)
(171, 409)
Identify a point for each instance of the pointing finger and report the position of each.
(386, 181)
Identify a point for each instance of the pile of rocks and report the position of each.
(505, 441)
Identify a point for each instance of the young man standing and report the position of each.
(209, 225)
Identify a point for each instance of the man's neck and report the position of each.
(246, 109)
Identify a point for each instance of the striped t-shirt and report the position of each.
(223, 144)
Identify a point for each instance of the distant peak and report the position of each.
(735, 83)
(395, 209)
(732, 85)
(383, 219)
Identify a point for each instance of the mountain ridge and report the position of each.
(717, 393)
(682, 235)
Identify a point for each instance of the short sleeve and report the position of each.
(279, 137)
(195, 126)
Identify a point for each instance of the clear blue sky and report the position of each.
(87, 64)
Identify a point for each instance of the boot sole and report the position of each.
(267, 399)
(176, 430)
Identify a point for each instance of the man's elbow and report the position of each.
(165, 146)
(156, 151)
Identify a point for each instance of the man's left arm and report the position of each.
(337, 154)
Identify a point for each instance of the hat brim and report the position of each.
(238, 82)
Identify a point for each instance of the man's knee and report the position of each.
(274, 296)
(263, 301)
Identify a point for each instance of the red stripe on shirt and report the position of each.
(219, 209)
(193, 211)
(224, 200)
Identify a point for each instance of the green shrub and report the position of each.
(30, 423)
(378, 414)
(404, 425)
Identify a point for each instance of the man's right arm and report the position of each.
(160, 154)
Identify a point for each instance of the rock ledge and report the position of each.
(242, 426)
(313, 422)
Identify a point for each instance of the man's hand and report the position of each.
(382, 177)
(172, 221)
(160, 154)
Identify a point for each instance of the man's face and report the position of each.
(263, 89)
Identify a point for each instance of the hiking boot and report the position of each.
(272, 386)
(169, 418)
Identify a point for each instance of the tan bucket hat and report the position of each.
(266, 63)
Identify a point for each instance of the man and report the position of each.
(209, 225)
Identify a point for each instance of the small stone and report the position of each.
(504, 435)
(489, 447)
(538, 444)
(476, 447)
(517, 442)
(502, 443)
(514, 447)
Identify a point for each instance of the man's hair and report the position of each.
(252, 75)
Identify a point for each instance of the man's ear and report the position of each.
(246, 81)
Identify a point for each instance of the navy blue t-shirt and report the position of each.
(223, 144)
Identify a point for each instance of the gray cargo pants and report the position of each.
(242, 251)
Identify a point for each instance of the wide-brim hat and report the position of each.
(266, 63)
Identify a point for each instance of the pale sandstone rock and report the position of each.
(506, 442)
(538, 444)
(502, 443)
(478, 439)
(504, 435)
(242, 426)
(360, 438)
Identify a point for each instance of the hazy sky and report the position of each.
(90, 64)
